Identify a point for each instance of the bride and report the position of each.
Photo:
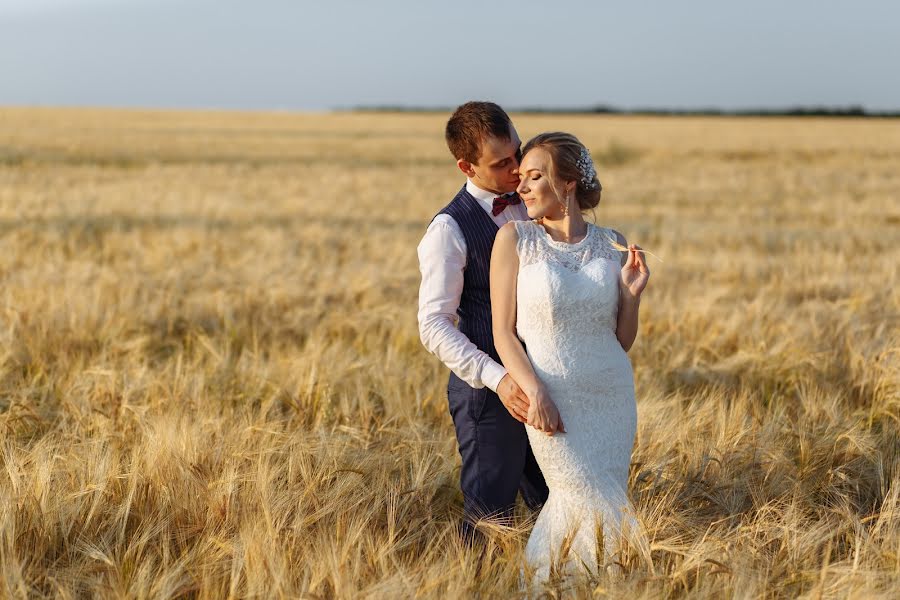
(561, 288)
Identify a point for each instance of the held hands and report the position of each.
(513, 398)
(635, 273)
(543, 414)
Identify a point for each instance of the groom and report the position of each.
(488, 408)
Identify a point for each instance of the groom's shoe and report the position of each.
(469, 534)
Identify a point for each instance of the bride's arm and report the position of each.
(542, 413)
(627, 324)
(629, 303)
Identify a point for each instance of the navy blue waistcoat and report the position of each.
(479, 231)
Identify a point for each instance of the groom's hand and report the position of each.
(513, 398)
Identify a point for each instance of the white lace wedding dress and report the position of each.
(567, 304)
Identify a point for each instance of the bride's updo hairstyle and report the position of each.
(569, 161)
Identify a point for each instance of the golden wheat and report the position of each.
(211, 383)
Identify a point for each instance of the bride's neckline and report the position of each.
(562, 244)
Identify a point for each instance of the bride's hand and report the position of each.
(543, 414)
(635, 273)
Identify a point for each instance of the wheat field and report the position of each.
(212, 386)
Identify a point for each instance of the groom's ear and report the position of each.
(466, 167)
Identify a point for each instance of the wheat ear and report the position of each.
(622, 248)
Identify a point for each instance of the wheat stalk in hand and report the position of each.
(622, 248)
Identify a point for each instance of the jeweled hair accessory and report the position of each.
(585, 166)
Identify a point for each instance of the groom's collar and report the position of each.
(484, 197)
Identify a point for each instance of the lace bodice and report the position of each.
(565, 291)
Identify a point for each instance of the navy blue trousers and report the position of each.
(497, 461)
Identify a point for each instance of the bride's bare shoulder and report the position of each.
(508, 232)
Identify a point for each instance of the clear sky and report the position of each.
(299, 54)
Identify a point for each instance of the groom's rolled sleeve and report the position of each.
(442, 261)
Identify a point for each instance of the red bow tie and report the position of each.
(500, 203)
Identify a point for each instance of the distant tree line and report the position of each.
(792, 111)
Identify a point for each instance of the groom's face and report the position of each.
(497, 169)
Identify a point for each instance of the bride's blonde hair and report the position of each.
(566, 154)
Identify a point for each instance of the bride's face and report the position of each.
(534, 186)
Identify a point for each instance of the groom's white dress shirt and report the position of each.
(442, 260)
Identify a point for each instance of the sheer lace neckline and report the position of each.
(567, 245)
(536, 245)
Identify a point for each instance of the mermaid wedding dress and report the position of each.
(567, 304)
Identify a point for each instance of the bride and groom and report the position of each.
(533, 310)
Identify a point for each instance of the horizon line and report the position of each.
(797, 110)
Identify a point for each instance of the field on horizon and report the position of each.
(211, 382)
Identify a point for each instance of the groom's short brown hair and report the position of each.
(472, 122)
